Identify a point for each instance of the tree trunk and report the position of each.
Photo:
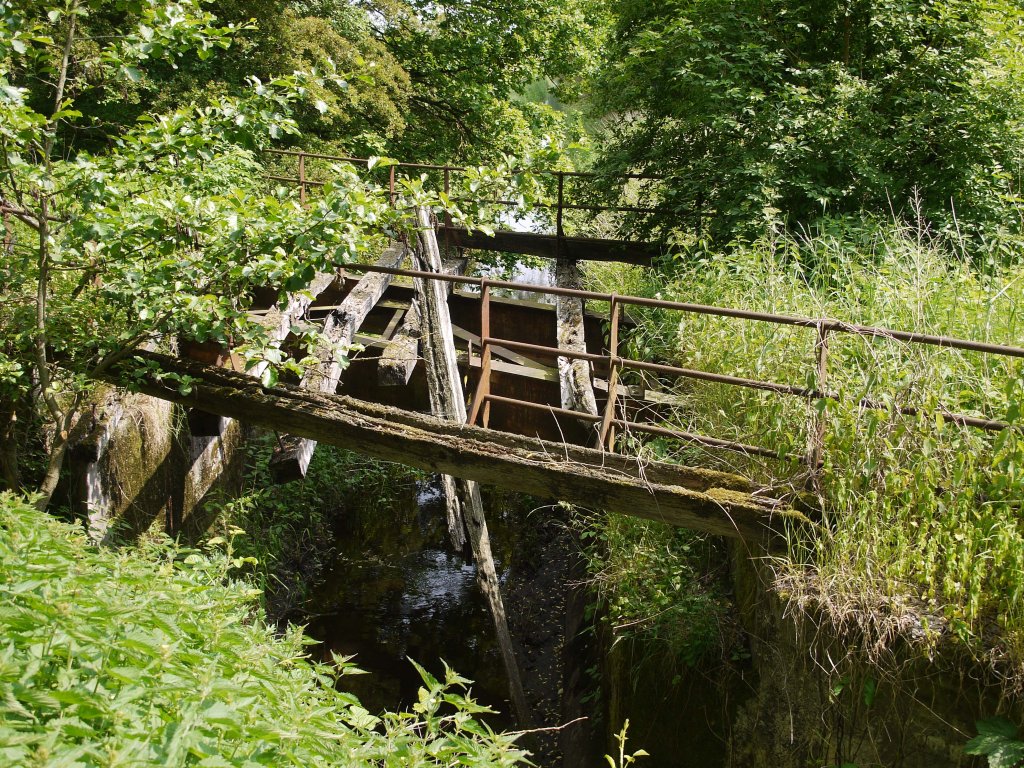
(54, 463)
(10, 474)
(399, 358)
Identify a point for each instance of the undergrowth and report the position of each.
(921, 533)
(289, 527)
(159, 657)
(660, 583)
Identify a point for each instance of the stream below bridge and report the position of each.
(394, 590)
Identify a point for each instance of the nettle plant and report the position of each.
(170, 230)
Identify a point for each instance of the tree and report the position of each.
(273, 39)
(467, 61)
(775, 113)
(169, 232)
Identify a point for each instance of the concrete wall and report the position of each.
(801, 693)
(139, 469)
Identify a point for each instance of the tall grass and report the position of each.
(921, 528)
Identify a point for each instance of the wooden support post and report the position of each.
(573, 375)
(302, 178)
(391, 187)
(447, 216)
(448, 402)
(292, 455)
(483, 386)
(444, 386)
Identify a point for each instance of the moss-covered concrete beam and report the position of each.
(700, 499)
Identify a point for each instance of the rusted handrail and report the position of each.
(462, 168)
(609, 421)
(704, 309)
(558, 207)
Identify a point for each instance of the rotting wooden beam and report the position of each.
(292, 454)
(278, 323)
(401, 354)
(703, 500)
(448, 402)
(547, 246)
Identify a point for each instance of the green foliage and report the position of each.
(467, 61)
(290, 526)
(624, 759)
(158, 658)
(920, 516)
(657, 582)
(769, 114)
(170, 229)
(997, 738)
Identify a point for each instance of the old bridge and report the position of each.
(548, 392)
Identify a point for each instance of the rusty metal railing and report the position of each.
(559, 206)
(610, 420)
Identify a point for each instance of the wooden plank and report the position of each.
(500, 351)
(392, 325)
(524, 371)
(547, 246)
(703, 500)
(292, 454)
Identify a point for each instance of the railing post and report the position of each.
(483, 387)
(816, 426)
(302, 178)
(607, 427)
(391, 187)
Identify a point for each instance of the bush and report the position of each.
(158, 658)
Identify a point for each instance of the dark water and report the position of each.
(395, 591)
